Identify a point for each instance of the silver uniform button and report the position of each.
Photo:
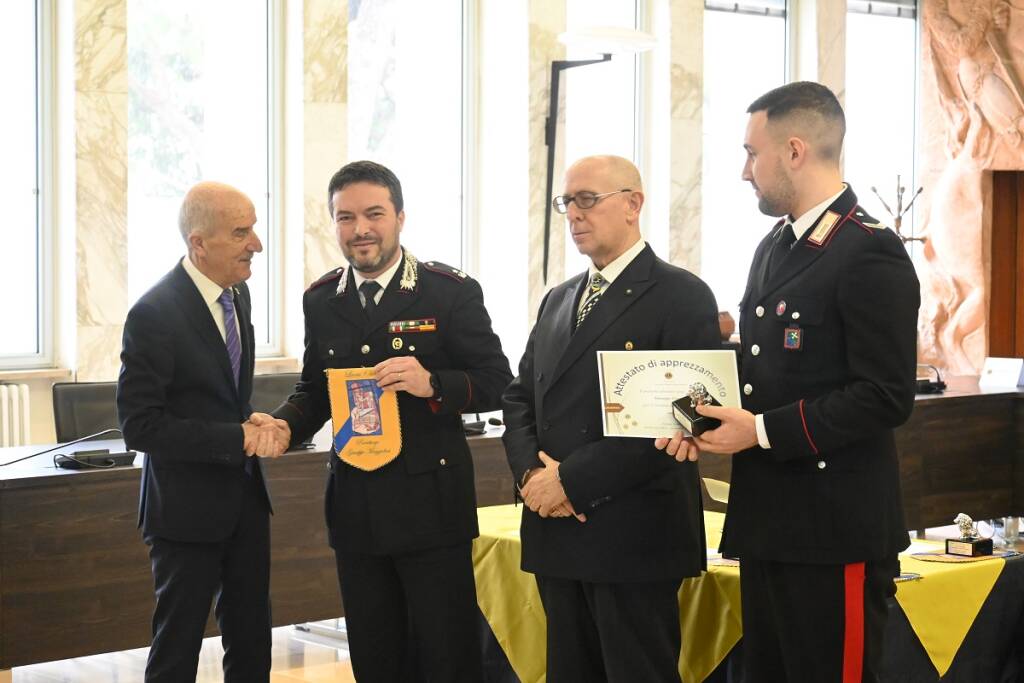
(365, 349)
(796, 315)
(759, 311)
(747, 389)
(754, 350)
(330, 352)
(443, 461)
(821, 465)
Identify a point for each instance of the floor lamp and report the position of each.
(604, 41)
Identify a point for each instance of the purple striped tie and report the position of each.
(231, 333)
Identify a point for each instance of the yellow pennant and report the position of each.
(367, 431)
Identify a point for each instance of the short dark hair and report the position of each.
(806, 97)
(366, 172)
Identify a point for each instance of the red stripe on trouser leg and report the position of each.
(853, 634)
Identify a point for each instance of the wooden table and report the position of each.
(75, 577)
(74, 573)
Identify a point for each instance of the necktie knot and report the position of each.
(227, 299)
(590, 297)
(369, 291)
(780, 249)
(787, 236)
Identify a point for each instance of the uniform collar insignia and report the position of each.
(342, 281)
(407, 282)
(409, 273)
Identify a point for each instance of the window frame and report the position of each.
(275, 198)
(43, 181)
(470, 255)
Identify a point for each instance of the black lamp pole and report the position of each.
(550, 132)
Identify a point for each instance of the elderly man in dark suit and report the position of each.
(183, 399)
(401, 533)
(829, 330)
(612, 526)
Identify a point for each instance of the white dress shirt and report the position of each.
(613, 269)
(384, 279)
(210, 291)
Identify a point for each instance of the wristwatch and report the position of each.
(435, 384)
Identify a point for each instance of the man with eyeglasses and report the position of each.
(611, 526)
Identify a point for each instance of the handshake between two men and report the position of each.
(266, 436)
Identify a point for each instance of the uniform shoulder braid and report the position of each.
(862, 218)
(329, 276)
(445, 269)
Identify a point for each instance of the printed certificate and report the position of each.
(367, 431)
(638, 387)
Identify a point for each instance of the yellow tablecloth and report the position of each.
(709, 605)
(940, 607)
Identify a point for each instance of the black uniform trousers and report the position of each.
(235, 571)
(410, 616)
(614, 632)
(810, 623)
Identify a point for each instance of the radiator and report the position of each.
(14, 415)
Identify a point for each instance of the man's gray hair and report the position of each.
(195, 216)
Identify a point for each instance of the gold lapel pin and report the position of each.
(629, 346)
(396, 343)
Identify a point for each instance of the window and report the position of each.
(199, 98)
(596, 123)
(405, 110)
(731, 225)
(24, 237)
(880, 103)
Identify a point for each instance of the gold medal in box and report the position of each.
(364, 417)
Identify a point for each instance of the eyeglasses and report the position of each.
(584, 200)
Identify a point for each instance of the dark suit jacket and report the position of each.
(177, 402)
(425, 498)
(644, 509)
(828, 490)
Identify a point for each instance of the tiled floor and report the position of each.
(296, 656)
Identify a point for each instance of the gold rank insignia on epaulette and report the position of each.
(826, 224)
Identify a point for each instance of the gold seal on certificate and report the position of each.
(638, 388)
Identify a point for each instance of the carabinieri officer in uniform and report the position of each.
(829, 331)
(401, 533)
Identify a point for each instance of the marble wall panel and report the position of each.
(325, 51)
(546, 21)
(99, 352)
(831, 44)
(325, 128)
(100, 46)
(685, 165)
(101, 185)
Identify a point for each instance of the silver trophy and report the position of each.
(969, 544)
